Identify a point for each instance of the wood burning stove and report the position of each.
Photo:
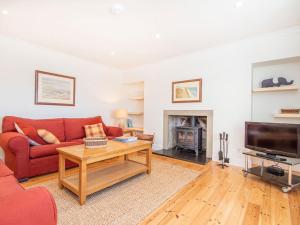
(189, 137)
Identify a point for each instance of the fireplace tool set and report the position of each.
(223, 152)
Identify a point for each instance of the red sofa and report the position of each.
(28, 161)
(18, 206)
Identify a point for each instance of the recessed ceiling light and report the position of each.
(112, 53)
(117, 8)
(239, 4)
(4, 12)
(157, 36)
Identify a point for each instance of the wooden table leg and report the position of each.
(148, 159)
(125, 157)
(82, 182)
(61, 169)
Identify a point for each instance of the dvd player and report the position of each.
(275, 171)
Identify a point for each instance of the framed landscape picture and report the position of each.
(187, 91)
(54, 89)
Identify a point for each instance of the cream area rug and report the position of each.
(126, 203)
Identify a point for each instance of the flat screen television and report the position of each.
(273, 138)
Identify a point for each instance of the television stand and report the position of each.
(270, 156)
(287, 181)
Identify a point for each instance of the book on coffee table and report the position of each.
(126, 139)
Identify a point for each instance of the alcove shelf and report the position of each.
(139, 98)
(277, 89)
(135, 102)
(136, 113)
(286, 115)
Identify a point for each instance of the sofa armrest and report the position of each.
(16, 149)
(114, 131)
(14, 142)
(34, 206)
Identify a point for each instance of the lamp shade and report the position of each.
(121, 114)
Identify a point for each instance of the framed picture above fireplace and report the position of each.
(187, 91)
(54, 89)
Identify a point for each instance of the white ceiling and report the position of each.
(88, 29)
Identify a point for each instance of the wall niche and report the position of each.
(268, 102)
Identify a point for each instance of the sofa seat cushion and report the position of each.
(74, 127)
(9, 185)
(79, 141)
(4, 171)
(47, 150)
(55, 126)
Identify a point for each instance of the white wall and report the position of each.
(226, 73)
(98, 88)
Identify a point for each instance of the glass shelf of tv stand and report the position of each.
(288, 181)
(288, 161)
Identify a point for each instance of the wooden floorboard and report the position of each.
(216, 197)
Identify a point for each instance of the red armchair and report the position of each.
(28, 161)
(18, 206)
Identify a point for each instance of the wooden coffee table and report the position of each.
(92, 181)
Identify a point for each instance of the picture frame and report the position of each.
(54, 89)
(187, 91)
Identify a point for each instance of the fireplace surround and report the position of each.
(200, 120)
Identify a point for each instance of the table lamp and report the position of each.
(122, 115)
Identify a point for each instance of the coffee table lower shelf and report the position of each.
(104, 177)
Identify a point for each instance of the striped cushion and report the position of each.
(47, 136)
(95, 130)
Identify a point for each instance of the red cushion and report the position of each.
(47, 150)
(74, 127)
(31, 132)
(55, 126)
